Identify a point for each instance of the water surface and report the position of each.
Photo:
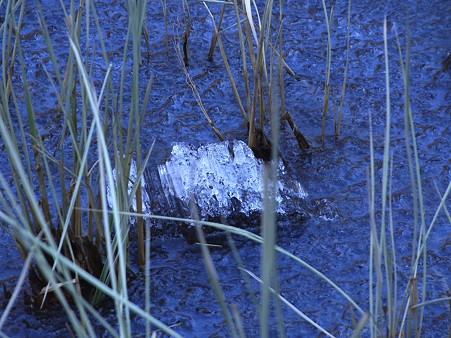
(334, 173)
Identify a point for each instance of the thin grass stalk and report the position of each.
(212, 273)
(415, 179)
(375, 295)
(385, 169)
(120, 109)
(147, 274)
(278, 108)
(8, 55)
(265, 37)
(110, 247)
(267, 264)
(243, 54)
(136, 12)
(328, 69)
(100, 34)
(392, 292)
(405, 69)
(17, 288)
(275, 94)
(257, 239)
(255, 102)
(14, 148)
(433, 301)
(251, 40)
(69, 103)
(79, 141)
(268, 256)
(419, 190)
(445, 209)
(291, 306)
(281, 66)
(259, 69)
(240, 264)
(357, 333)
(23, 232)
(123, 313)
(238, 320)
(48, 43)
(32, 123)
(247, 10)
(227, 67)
(196, 94)
(139, 192)
(382, 252)
(165, 18)
(123, 156)
(214, 36)
(343, 85)
(111, 292)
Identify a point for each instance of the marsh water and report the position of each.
(334, 173)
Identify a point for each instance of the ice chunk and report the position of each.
(222, 178)
(131, 180)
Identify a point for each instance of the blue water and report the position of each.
(334, 173)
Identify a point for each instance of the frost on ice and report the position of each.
(222, 178)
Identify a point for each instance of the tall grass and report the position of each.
(48, 192)
(389, 314)
(258, 34)
(392, 315)
(69, 193)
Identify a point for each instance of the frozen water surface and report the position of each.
(335, 240)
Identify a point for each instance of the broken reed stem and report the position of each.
(196, 94)
(328, 62)
(302, 141)
(214, 37)
(256, 103)
(227, 66)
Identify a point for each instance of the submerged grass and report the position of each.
(76, 203)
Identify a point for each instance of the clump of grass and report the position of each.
(390, 314)
(258, 36)
(69, 195)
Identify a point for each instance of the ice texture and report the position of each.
(132, 179)
(222, 178)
